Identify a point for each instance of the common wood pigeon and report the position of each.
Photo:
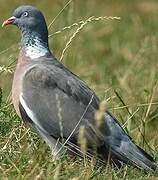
(57, 103)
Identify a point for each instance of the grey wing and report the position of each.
(56, 100)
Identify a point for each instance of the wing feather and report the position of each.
(55, 94)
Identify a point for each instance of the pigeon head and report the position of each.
(30, 21)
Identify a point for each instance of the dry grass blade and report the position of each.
(1, 94)
(76, 150)
(6, 69)
(39, 176)
(132, 117)
(122, 101)
(135, 61)
(134, 105)
(82, 141)
(9, 68)
(59, 13)
(82, 22)
(57, 172)
(99, 115)
(143, 124)
(6, 50)
(124, 125)
(81, 25)
(73, 36)
(151, 101)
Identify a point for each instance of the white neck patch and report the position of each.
(36, 50)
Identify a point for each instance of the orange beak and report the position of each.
(9, 21)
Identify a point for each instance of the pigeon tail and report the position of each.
(122, 148)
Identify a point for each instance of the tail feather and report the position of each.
(124, 149)
(134, 156)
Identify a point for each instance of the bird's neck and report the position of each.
(35, 46)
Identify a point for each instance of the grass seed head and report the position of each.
(82, 141)
(99, 115)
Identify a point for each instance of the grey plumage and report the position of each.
(46, 86)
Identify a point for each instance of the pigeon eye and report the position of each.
(25, 14)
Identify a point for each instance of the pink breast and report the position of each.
(21, 68)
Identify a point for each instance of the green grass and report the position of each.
(117, 58)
